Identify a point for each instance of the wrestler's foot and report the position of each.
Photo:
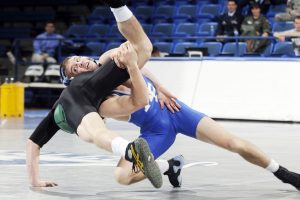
(287, 176)
(138, 152)
(174, 171)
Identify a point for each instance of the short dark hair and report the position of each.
(234, 1)
(255, 5)
(297, 17)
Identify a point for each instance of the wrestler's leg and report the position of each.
(211, 132)
(92, 129)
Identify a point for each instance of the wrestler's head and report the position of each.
(75, 65)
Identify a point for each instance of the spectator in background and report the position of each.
(293, 33)
(46, 44)
(256, 25)
(293, 10)
(229, 24)
(264, 5)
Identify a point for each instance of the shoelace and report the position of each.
(137, 165)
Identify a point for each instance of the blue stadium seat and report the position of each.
(163, 29)
(186, 29)
(209, 11)
(15, 33)
(115, 33)
(112, 45)
(162, 2)
(164, 12)
(183, 2)
(268, 50)
(166, 47)
(100, 14)
(147, 28)
(283, 49)
(214, 48)
(274, 9)
(144, 12)
(185, 13)
(98, 30)
(207, 29)
(77, 31)
(180, 47)
(282, 26)
(230, 48)
(95, 48)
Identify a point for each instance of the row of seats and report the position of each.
(161, 29)
(38, 2)
(213, 48)
(26, 16)
(181, 13)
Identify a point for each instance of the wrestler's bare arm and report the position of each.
(120, 106)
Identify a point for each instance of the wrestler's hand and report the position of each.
(166, 98)
(128, 55)
(115, 54)
(44, 184)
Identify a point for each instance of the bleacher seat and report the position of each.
(77, 30)
(144, 13)
(163, 13)
(163, 29)
(268, 50)
(112, 45)
(99, 15)
(283, 49)
(14, 33)
(95, 48)
(186, 29)
(274, 9)
(213, 48)
(185, 13)
(207, 29)
(282, 26)
(209, 11)
(180, 47)
(230, 48)
(147, 28)
(98, 30)
(115, 33)
(165, 47)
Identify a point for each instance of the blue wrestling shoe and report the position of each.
(174, 171)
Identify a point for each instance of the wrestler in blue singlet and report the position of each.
(160, 126)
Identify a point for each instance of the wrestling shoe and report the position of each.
(174, 171)
(138, 152)
(287, 176)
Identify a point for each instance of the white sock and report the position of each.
(163, 165)
(121, 14)
(273, 166)
(118, 146)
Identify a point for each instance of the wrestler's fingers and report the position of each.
(176, 103)
(162, 104)
(170, 108)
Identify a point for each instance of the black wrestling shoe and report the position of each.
(174, 171)
(138, 152)
(287, 176)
